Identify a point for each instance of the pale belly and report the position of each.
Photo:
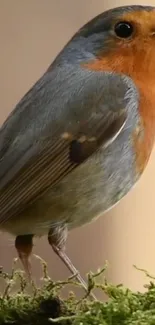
(86, 193)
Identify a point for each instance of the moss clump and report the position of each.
(45, 306)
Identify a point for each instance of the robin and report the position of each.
(81, 137)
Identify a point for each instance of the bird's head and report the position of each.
(123, 40)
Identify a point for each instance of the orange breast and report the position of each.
(143, 145)
(145, 82)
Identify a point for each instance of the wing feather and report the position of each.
(66, 132)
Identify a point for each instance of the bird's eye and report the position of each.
(124, 29)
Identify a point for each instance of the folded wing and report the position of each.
(63, 120)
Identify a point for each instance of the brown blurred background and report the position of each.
(32, 32)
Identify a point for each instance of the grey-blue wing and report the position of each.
(64, 119)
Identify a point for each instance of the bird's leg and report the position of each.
(57, 239)
(24, 245)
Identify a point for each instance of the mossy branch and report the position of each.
(45, 306)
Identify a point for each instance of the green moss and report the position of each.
(45, 306)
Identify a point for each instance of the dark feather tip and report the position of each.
(79, 151)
